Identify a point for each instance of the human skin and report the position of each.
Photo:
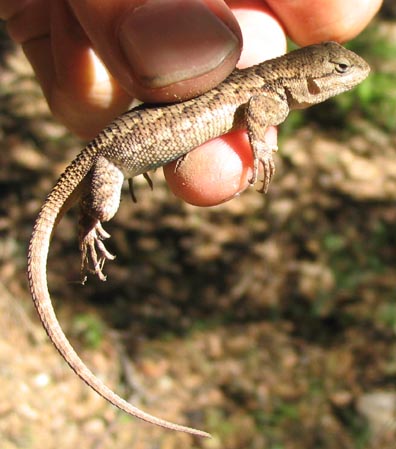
(154, 53)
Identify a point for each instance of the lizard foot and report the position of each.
(264, 157)
(93, 251)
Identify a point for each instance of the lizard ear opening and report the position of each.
(313, 87)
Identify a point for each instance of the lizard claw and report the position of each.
(269, 171)
(93, 251)
(264, 157)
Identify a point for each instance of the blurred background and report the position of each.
(269, 321)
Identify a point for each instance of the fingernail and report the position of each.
(168, 41)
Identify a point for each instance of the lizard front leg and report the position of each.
(99, 202)
(266, 109)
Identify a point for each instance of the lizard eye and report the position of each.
(342, 67)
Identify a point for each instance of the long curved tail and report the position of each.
(37, 263)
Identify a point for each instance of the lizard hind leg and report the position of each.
(99, 202)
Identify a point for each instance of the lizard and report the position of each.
(148, 137)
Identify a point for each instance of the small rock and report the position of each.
(379, 408)
(341, 398)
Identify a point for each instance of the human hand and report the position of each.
(130, 37)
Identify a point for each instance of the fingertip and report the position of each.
(174, 56)
(214, 172)
(312, 21)
(263, 34)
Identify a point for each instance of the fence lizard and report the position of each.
(145, 138)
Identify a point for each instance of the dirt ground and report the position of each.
(268, 321)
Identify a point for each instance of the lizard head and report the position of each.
(327, 69)
(343, 68)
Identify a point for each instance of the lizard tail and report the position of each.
(37, 264)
